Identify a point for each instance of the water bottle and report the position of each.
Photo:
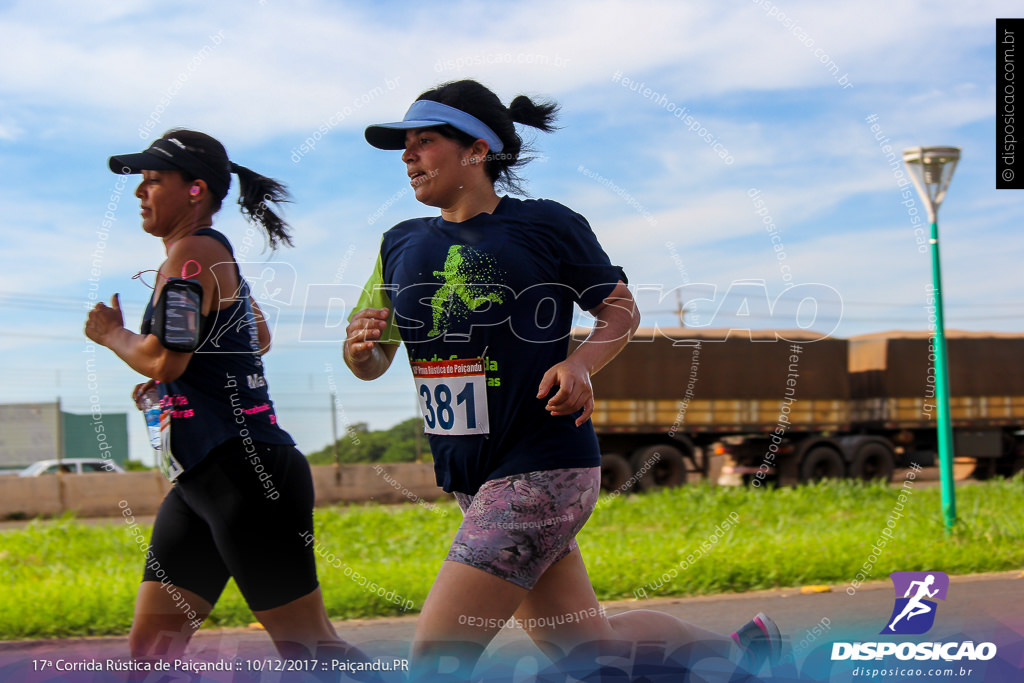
(149, 404)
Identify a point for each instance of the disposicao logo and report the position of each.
(914, 613)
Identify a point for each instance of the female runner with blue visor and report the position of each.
(483, 297)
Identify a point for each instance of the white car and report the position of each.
(70, 466)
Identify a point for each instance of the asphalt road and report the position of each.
(979, 608)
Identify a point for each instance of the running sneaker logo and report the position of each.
(914, 613)
(470, 278)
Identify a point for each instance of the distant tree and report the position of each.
(360, 445)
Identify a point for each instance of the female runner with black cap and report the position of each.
(483, 298)
(243, 494)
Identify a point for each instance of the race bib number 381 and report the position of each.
(453, 396)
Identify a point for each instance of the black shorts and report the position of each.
(241, 512)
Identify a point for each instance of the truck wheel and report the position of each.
(984, 468)
(873, 461)
(658, 466)
(1016, 465)
(821, 462)
(1012, 460)
(615, 472)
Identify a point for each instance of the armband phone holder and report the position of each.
(177, 315)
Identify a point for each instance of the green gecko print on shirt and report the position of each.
(467, 276)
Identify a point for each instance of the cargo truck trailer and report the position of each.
(790, 406)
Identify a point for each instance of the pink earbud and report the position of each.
(194, 190)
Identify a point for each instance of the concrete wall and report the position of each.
(29, 432)
(98, 494)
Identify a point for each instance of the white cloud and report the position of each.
(296, 68)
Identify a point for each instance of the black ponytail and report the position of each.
(523, 110)
(476, 99)
(255, 190)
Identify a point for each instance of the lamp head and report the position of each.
(931, 169)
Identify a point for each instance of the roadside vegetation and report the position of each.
(65, 578)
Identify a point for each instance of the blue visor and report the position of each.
(427, 114)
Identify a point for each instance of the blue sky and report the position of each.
(752, 107)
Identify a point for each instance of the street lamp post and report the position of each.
(931, 169)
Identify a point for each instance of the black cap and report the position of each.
(173, 155)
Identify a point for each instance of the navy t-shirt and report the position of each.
(501, 287)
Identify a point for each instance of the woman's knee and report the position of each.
(159, 637)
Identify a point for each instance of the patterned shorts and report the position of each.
(518, 526)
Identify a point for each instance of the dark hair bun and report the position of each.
(523, 110)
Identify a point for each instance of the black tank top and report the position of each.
(222, 394)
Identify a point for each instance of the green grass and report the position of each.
(64, 578)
